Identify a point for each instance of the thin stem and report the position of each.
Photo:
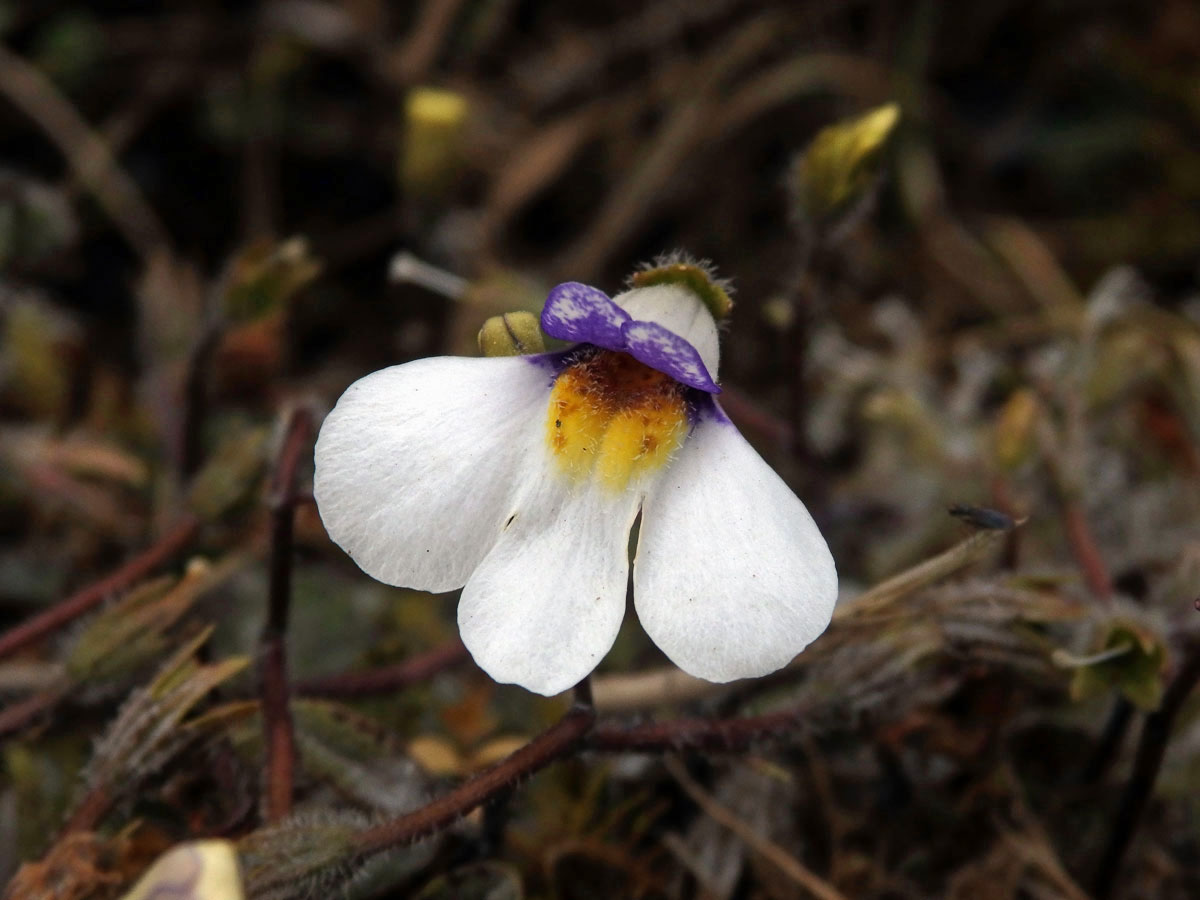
(386, 679)
(558, 741)
(1151, 747)
(1109, 743)
(405, 268)
(91, 596)
(282, 502)
(17, 715)
(86, 152)
(277, 725)
(277, 719)
(788, 864)
(1083, 547)
(926, 572)
(419, 51)
(1075, 524)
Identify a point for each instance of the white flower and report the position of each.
(518, 479)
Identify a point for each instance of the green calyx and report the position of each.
(512, 334)
(693, 276)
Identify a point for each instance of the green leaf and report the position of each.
(149, 729)
(132, 632)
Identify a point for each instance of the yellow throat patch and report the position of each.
(614, 417)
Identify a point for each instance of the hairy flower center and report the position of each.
(614, 417)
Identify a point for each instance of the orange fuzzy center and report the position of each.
(614, 418)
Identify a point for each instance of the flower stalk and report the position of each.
(1152, 746)
(277, 720)
(558, 741)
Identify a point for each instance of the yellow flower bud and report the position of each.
(840, 165)
(512, 334)
(430, 156)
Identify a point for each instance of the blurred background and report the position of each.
(964, 243)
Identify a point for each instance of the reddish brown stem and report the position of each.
(1087, 554)
(277, 725)
(17, 715)
(90, 811)
(556, 742)
(276, 714)
(91, 596)
(693, 734)
(386, 679)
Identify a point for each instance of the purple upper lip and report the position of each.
(578, 312)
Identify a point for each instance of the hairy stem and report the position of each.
(560, 740)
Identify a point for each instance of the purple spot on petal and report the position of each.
(664, 350)
(577, 312)
(706, 409)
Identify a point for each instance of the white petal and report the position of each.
(679, 310)
(415, 464)
(732, 578)
(196, 870)
(546, 603)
